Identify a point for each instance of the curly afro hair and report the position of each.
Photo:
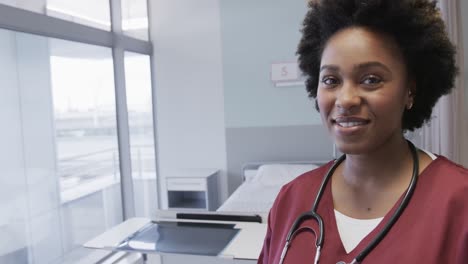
(415, 25)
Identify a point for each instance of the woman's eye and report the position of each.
(329, 80)
(371, 80)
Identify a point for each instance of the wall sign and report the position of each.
(286, 74)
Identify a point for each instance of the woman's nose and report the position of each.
(348, 97)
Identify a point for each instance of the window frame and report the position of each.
(20, 20)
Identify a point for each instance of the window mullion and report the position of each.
(154, 104)
(123, 130)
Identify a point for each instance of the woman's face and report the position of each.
(363, 90)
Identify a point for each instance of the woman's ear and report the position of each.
(411, 94)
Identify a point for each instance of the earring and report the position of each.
(409, 106)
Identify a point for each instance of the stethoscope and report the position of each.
(315, 216)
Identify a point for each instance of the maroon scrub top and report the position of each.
(433, 228)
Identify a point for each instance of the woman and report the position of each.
(376, 69)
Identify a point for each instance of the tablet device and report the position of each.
(207, 239)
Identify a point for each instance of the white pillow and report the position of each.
(280, 174)
(250, 175)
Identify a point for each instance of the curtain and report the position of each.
(445, 133)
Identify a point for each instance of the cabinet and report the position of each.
(192, 189)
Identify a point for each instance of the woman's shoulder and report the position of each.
(446, 169)
(446, 177)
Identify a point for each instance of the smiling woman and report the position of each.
(363, 90)
(376, 68)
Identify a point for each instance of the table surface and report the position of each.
(246, 245)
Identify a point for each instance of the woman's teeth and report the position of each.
(350, 124)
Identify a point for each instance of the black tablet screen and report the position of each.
(181, 238)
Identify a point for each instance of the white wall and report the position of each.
(254, 35)
(189, 86)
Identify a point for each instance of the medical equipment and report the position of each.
(313, 214)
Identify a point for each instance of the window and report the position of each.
(64, 171)
(86, 140)
(62, 166)
(93, 13)
(135, 18)
(33, 6)
(76, 11)
(140, 118)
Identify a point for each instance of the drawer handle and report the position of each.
(186, 183)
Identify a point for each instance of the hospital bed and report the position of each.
(262, 182)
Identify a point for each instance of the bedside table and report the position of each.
(192, 189)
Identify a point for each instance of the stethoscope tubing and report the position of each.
(399, 210)
(312, 214)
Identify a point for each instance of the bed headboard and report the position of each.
(279, 143)
(250, 169)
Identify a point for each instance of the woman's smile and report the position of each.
(350, 125)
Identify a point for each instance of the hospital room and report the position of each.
(181, 131)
